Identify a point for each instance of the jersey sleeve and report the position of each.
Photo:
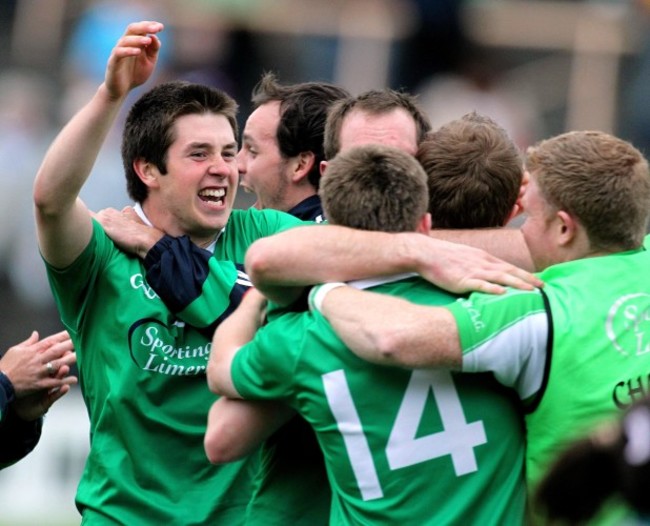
(264, 368)
(17, 437)
(194, 285)
(200, 288)
(71, 285)
(507, 335)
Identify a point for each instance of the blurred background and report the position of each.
(537, 67)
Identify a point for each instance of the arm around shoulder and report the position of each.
(387, 330)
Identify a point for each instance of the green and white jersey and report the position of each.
(401, 447)
(142, 376)
(578, 352)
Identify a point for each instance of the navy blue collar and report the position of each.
(309, 210)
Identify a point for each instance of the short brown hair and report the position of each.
(374, 187)
(474, 172)
(373, 102)
(601, 180)
(149, 126)
(303, 112)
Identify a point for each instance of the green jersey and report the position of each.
(400, 447)
(578, 351)
(142, 376)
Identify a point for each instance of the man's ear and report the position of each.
(304, 162)
(147, 172)
(424, 225)
(323, 167)
(568, 228)
(518, 207)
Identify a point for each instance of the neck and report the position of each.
(150, 216)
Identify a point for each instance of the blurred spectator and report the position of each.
(611, 464)
(25, 132)
(436, 46)
(94, 33)
(636, 121)
(478, 85)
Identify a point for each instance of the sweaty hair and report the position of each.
(149, 127)
(374, 187)
(474, 172)
(601, 180)
(303, 111)
(372, 102)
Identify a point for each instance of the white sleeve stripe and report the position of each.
(516, 356)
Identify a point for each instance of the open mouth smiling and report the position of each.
(213, 195)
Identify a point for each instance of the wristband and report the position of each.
(8, 387)
(317, 294)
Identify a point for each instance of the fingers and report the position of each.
(56, 338)
(33, 338)
(496, 281)
(55, 394)
(129, 46)
(144, 27)
(130, 213)
(59, 366)
(139, 36)
(50, 369)
(59, 350)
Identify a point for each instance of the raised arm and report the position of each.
(388, 330)
(335, 253)
(63, 222)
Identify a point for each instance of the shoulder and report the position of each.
(267, 220)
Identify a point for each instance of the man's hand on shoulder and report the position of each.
(128, 231)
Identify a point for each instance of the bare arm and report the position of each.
(335, 253)
(391, 331)
(236, 428)
(236, 330)
(505, 243)
(63, 222)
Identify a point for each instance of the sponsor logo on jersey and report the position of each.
(626, 392)
(628, 324)
(137, 281)
(170, 350)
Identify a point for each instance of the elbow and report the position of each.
(387, 345)
(41, 204)
(218, 452)
(256, 262)
(44, 206)
(212, 376)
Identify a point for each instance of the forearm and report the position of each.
(63, 221)
(236, 428)
(307, 255)
(236, 330)
(387, 330)
(70, 158)
(505, 243)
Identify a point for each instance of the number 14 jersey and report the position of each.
(401, 447)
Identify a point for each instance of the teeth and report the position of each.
(213, 193)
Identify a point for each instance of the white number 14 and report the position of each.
(457, 439)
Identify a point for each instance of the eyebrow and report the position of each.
(210, 146)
